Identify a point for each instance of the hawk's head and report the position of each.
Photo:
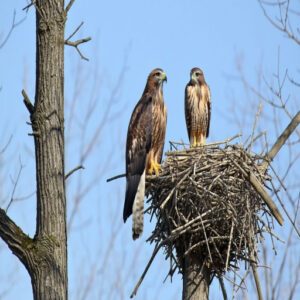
(197, 76)
(157, 77)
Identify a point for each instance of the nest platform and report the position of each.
(206, 206)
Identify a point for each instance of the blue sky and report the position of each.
(131, 38)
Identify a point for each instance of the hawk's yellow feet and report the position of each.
(194, 143)
(154, 167)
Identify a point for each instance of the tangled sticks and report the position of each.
(206, 206)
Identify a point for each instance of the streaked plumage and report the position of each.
(144, 147)
(197, 108)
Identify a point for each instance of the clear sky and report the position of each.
(128, 38)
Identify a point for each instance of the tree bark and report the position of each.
(196, 279)
(49, 273)
(45, 256)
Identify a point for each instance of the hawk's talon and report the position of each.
(154, 167)
(157, 168)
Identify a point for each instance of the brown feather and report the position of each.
(145, 141)
(197, 106)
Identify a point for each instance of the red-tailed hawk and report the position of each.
(144, 147)
(197, 108)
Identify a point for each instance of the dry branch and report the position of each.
(69, 5)
(281, 140)
(73, 171)
(27, 102)
(13, 26)
(115, 177)
(78, 42)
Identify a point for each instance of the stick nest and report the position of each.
(206, 207)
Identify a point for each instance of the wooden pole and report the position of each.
(196, 279)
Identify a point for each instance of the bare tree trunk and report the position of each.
(50, 280)
(45, 256)
(196, 279)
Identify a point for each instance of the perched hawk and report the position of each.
(197, 108)
(144, 147)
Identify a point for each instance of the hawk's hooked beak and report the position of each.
(193, 77)
(164, 77)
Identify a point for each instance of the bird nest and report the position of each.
(206, 206)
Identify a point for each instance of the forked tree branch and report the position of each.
(282, 23)
(78, 42)
(13, 236)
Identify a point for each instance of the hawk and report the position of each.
(197, 108)
(144, 147)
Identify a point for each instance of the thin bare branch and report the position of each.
(73, 171)
(6, 145)
(29, 5)
(13, 26)
(69, 5)
(286, 212)
(27, 102)
(155, 251)
(75, 31)
(115, 177)
(78, 42)
(282, 23)
(257, 115)
(15, 186)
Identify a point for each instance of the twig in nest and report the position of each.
(259, 188)
(173, 190)
(229, 246)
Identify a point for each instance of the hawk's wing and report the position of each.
(162, 134)
(208, 110)
(188, 109)
(137, 146)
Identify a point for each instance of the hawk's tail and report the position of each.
(138, 209)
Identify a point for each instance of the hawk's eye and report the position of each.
(157, 74)
(197, 74)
